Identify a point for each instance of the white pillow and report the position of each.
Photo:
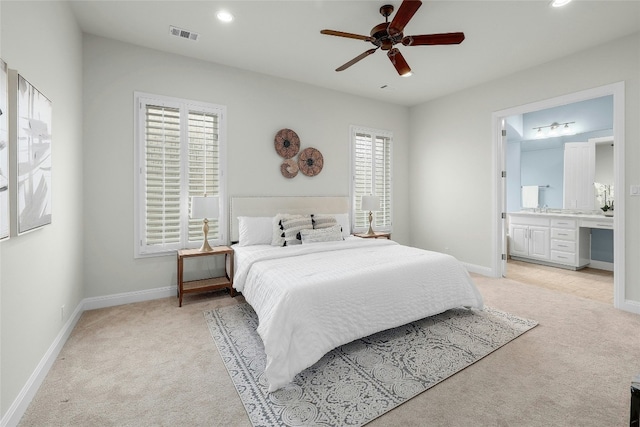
(328, 234)
(254, 230)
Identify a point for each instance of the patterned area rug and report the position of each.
(357, 382)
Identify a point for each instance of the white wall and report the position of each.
(451, 151)
(42, 270)
(257, 105)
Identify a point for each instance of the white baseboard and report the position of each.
(601, 265)
(128, 298)
(630, 306)
(19, 406)
(478, 269)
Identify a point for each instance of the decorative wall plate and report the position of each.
(287, 143)
(289, 168)
(310, 161)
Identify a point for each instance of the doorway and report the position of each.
(500, 151)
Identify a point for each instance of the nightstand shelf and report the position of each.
(208, 284)
(375, 235)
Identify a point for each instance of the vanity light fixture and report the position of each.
(555, 129)
(224, 16)
(559, 3)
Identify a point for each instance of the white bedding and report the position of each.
(312, 298)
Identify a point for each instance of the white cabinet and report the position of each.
(579, 175)
(551, 240)
(529, 237)
(563, 241)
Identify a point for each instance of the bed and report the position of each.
(318, 295)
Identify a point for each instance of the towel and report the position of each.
(529, 196)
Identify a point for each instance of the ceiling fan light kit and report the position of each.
(399, 62)
(387, 34)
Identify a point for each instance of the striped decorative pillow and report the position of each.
(291, 226)
(323, 221)
(329, 234)
(277, 238)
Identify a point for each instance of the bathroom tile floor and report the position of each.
(588, 283)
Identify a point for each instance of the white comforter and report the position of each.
(312, 298)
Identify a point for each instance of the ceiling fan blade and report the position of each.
(433, 39)
(348, 35)
(399, 62)
(404, 14)
(356, 59)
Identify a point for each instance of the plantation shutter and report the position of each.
(372, 175)
(180, 153)
(363, 176)
(162, 175)
(204, 166)
(383, 181)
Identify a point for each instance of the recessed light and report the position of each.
(224, 16)
(559, 3)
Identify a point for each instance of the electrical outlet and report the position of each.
(634, 190)
(62, 313)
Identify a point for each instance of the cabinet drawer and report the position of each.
(529, 220)
(563, 234)
(563, 246)
(563, 223)
(606, 224)
(563, 257)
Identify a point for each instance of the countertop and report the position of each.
(561, 214)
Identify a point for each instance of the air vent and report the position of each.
(185, 34)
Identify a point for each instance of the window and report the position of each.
(180, 152)
(371, 170)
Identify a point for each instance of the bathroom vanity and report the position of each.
(558, 239)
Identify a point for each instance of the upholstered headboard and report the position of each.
(270, 206)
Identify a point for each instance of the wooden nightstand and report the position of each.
(210, 284)
(376, 235)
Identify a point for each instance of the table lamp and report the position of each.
(370, 203)
(205, 207)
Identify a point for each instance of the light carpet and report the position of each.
(357, 382)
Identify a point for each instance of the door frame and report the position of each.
(499, 196)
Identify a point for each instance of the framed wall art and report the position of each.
(33, 153)
(4, 151)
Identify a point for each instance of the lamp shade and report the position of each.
(370, 203)
(204, 207)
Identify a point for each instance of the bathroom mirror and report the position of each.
(535, 148)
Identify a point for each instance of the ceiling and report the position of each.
(282, 38)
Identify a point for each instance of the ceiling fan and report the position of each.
(387, 34)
